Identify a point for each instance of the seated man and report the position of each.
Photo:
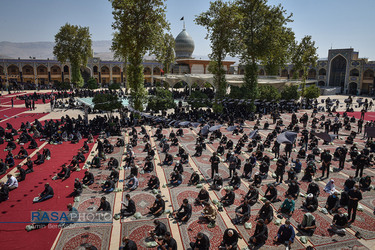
(288, 206)
(46, 194)
(88, 179)
(285, 235)
(158, 207)
(108, 186)
(217, 184)
(230, 239)
(12, 182)
(265, 213)
(198, 150)
(33, 144)
(235, 182)
(333, 203)
(11, 146)
(339, 223)
(257, 180)
(311, 203)
(168, 160)
(179, 167)
(132, 183)
(202, 242)
(74, 164)
(203, 196)
(252, 196)
(78, 188)
(105, 206)
(349, 183)
(364, 183)
(176, 178)
(114, 175)
(260, 235)
(243, 213)
(271, 193)
(308, 225)
(22, 154)
(22, 174)
(120, 142)
(4, 192)
(153, 183)
(228, 198)
(159, 231)
(40, 159)
(9, 160)
(113, 163)
(183, 214)
(168, 242)
(149, 166)
(46, 153)
(194, 179)
(209, 214)
(128, 209)
(314, 189)
(63, 174)
(3, 167)
(293, 190)
(95, 163)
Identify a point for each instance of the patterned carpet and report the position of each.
(138, 231)
(79, 238)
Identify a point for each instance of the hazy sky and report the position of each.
(336, 23)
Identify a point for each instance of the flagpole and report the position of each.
(184, 23)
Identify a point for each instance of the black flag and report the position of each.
(182, 18)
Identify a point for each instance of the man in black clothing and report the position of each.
(333, 203)
(260, 235)
(104, 205)
(88, 179)
(168, 243)
(40, 159)
(46, 194)
(230, 239)
(280, 169)
(361, 161)
(77, 188)
(326, 162)
(243, 213)
(4, 192)
(355, 196)
(159, 231)
(272, 196)
(129, 209)
(158, 207)
(228, 198)
(339, 223)
(153, 183)
(128, 244)
(342, 156)
(64, 173)
(22, 173)
(183, 214)
(3, 167)
(349, 183)
(214, 164)
(252, 195)
(202, 242)
(113, 163)
(265, 213)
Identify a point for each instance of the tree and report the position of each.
(106, 102)
(198, 99)
(164, 52)
(312, 92)
(220, 22)
(73, 43)
(163, 100)
(290, 92)
(114, 86)
(280, 51)
(304, 56)
(138, 25)
(258, 24)
(268, 93)
(92, 84)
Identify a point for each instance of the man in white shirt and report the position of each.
(12, 182)
(132, 183)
